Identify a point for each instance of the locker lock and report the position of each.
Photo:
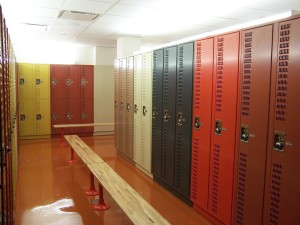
(121, 105)
(116, 104)
(166, 116)
(244, 135)
(53, 82)
(154, 113)
(144, 111)
(38, 116)
(83, 82)
(180, 118)
(54, 117)
(37, 81)
(128, 107)
(218, 127)
(69, 116)
(22, 117)
(197, 122)
(279, 141)
(83, 116)
(69, 82)
(22, 81)
(135, 108)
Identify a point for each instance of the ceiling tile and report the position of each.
(130, 11)
(86, 6)
(147, 3)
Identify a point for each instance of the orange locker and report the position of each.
(72, 115)
(86, 115)
(282, 192)
(203, 75)
(224, 113)
(73, 82)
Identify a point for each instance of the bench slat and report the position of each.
(82, 125)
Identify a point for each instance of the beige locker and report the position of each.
(122, 90)
(137, 133)
(117, 102)
(26, 81)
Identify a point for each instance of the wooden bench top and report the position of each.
(82, 149)
(82, 125)
(135, 207)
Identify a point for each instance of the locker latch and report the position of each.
(116, 104)
(69, 116)
(197, 122)
(22, 117)
(38, 116)
(154, 113)
(244, 135)
(180, 118)
(121, 105)
(53, 82)
(166, 116)
(128, 107)
(144, 111)
(69, 82)
(37, 81)
(22, 81)
(279, 141)
(83, 116)
(83, 82)
(54, 117)
(135, 108)
(218, 127)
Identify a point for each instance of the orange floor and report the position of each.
(50, 191)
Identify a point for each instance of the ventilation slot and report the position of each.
(164, 153)
(241, 188)
(195, 156)
(215, 178)
(275, 194)
(246, 86)
(179, 160)
(197, 78)
(219, 79)
(180, 78)
(76, 15)
(166, 78)
(282, 72)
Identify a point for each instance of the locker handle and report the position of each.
(54, 117)
(144, 111)
(218, 127)
(154, 113)
(38, 116)
(128, 107)
(180, 119)
(244, 133)
(37, 81)
(121, 105)
(197, 123)
(135, 108)
(83, 116)
(116, 104)
(166, 116)
(22, 117)
(53, 82)
(69, 82)
(69, 116)
(22, 81)
(279, 141)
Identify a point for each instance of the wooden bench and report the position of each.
(136, 208)
(63, 126)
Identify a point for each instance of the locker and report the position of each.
(73, 82)
(146, 108)
(58, 114)
(122, 126)
(72, 114)
(26, 81)
(129, 106)
(42, 81)
(201, 133)
(169, 110)
(58, 79)
(158, 68)
(137, 134)
(252, 129)
(225, 90)
(87, 82)
(116, 105)
(86, 115)
(282, 192)
(42, 116)
(27, 117)
(184, 99)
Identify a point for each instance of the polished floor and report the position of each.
(50, 191)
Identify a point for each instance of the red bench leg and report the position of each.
(72, 158)
(92, 191)
(101, 204)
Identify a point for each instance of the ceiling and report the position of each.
(156, 22)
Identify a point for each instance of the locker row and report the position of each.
(9, 125)
(55, 94)
(215, 122)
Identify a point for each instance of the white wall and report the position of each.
(105, 56)
(85, 55)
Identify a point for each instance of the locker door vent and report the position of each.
(246, 86)
(197, 78)
(275, 194)
(195, 158)
(178, 163)
(215, 178)
(154, 88)
(241, 183)
(166, 77)
(164, 153)
(282, 72)
(143, 144)
(219, 80)
(180, 78)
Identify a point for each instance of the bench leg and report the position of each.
(101, 204)
(92, 191)
(72, 158)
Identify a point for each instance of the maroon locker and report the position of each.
(252, 129)
(117, 102)
(58, 96)
(72, 115)
(224, 112)
(282, 192)
(73, 82)
(86, 115)
(87, 82)
(203, 75)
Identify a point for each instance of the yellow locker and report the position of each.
(42, 117)
(27, 117)
(42, 81)
(26, 81)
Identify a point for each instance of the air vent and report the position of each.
(76, 15)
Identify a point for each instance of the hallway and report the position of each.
(50, 191)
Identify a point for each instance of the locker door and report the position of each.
(73, 82)
(253, 127)
(146, 111)
(72, 115)
(169, 110)
(137, 125)
(116, 97)
(86, 115)
(42, 117)
(282, 194)
(201, 134)
(57, 79)
(184, 100)
(122, 128)
(26, 81)
(42, 81)
(58, 113)
(87, 82)
(225, 87)
(158, 68)
(129, 106)
(27, 117)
